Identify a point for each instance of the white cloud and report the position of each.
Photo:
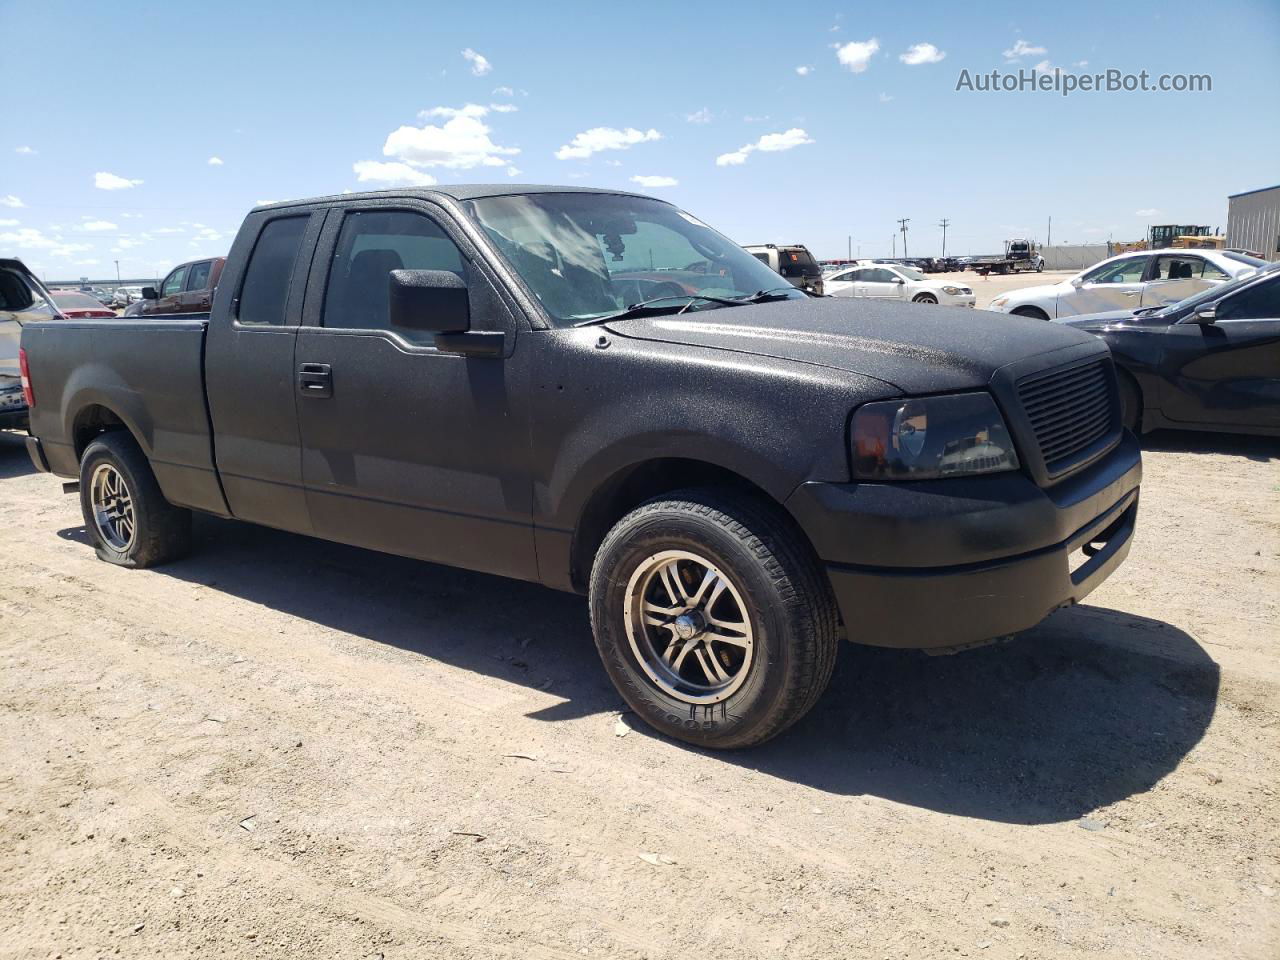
(1021, 48)
(804, 71)
(377, 172)
(123, 244)
(604, 138)
(503, 107)
(698, 116)
(1080, 63)
(460, 143)
(97, 226)
(886, 97)
(919, 53)
(214, 161)
(856, 55)
(167, 230)
(503, 92)
(655, 181)
(1044, 66)
(24, 150)
(769, 143)
(479, 64)
(29, 238)
(132, 216)
(513, 171)
(86, 263)
(11, 201)
(1146, 212)
(8, 223)
(109, 181)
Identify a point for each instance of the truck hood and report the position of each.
(917, 348)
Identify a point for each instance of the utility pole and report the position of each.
(851, 246)
(1049, 241)
(903, 224)
(944, 223)
(893, 237)
(117, 273)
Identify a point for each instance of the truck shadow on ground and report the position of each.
(1090, 707)
(1258, 449)
(14, 461)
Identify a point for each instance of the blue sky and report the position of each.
(117, 111)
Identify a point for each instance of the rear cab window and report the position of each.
(264, 294)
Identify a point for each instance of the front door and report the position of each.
(1228, 373)
(407, 449)
(1112, 286)
(879, 284)
(170, 299)
(195, 298)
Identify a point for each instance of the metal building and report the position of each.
(1253, 221)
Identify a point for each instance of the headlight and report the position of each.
(998, 302)
(960, 434)
(952, 291)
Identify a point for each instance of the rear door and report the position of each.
(1175, 277)
(1227, 373)
(407, 449)
(249, 367)
(196, 297)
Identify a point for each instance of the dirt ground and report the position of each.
(286, 748)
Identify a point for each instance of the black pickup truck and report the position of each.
(596, 391)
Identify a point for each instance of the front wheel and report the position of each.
(129, 521)
(713, 618)
(926, 298)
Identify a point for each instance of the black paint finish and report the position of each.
(518, 463)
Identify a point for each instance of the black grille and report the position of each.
(1070, 410)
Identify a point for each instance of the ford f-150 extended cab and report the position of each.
(596, 391)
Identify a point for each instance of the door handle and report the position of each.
(315, 380)
(1132, 293)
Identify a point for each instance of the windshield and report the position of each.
(587, 255)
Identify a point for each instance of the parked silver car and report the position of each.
(1147, 278)
(22, 298)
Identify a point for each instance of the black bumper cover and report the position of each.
(946, 563)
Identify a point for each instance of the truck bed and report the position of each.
(151, 373)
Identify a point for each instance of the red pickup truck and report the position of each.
(188, 288)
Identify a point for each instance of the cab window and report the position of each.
(173, 282)
(1259, 302)
(371, 244)
(1123, 271)
(199, 277)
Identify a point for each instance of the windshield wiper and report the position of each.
(775, 293)
(645, 306)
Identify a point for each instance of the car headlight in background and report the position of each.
(951, 291)
(930, 437)
(998, 302)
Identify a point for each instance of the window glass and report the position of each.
(879, 275)
(371, 244)
(1122, 271)
(265, 293)
(1259, 302)
(762, 257)
(588, 255)
(199, 278)
(843, 277)
(1213, 272)
(173, 282)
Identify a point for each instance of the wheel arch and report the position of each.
(94, 418)
(630, 486)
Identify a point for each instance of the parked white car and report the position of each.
(885, 281)
(1147, 278)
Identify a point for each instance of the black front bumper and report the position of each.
(951, 562)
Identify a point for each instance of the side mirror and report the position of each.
(899, 280)
(1206, 316)
(149, 293)
(1077, 282)
(434, 300)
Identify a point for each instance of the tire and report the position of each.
(1130, 402)
(741, 563)
(1035, 313)
(925, 298)
(1040, 266)
(128, 519)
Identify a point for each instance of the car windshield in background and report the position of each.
(75, 301)
(588, 255)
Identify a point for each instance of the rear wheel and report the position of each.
(127, 517)
(713, 618)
